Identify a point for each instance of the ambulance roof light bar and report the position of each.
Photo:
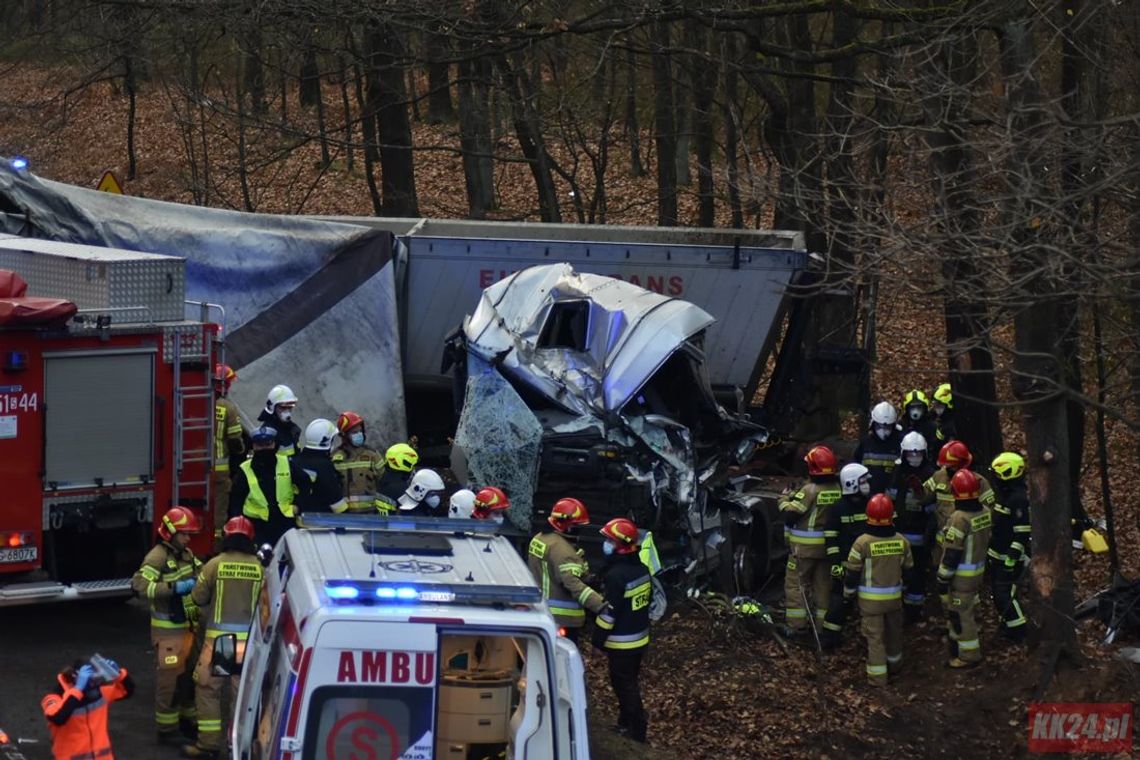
(372, 592)
(398, 523)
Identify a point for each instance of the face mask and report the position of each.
(432, 500)
(284, 414)
(356, 439)
(882, 433)
(607, 548)
(914, 460)
(938, 409)
(498, 518)
(865, 489)
(915, 413)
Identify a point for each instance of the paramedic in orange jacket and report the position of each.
(76, 711)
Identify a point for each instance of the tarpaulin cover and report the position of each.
(309, 304)
(17, 309)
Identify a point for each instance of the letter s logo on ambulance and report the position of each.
(411, 668)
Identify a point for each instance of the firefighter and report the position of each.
(491, 504)
(916, 417)
(845, 522)
(963, 564)
(359, 465)
(942, 410)
(805, 515)
(879, 449)
(622, 629)
(278, 414)
(875, 569)
(461, 505)
(165, 579)
(952, 457)
(914, 508)
(266, 487)
(326, 486)
(229, 444)
(1009, 542)
(76, 710)
(423, 494)
(560, 569)
(400, 461)
(228, 587)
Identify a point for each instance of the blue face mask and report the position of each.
(607, 548)
(356, 439)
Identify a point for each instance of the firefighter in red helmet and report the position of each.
(358, 463)
(491, 504)
(165, 579)
(805, 517)
(228, 587)
(963, 564)
(874, 572)
(229, 445)
(560, 570)
(622, 630)
(952, 457)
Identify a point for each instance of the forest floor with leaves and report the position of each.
(713, 688)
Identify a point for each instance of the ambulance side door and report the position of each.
(573, 743)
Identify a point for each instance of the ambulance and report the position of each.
(402, 638)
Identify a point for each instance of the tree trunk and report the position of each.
(131, 86)
(704, 77)
(521, 89)
(254, 71)
(1040, 376)
(632, 126)
(665, 136)
(346, 108)
(309, 81)
(731, 118)
(368, 129)
(475, 144)
(440, 109)
(684, 83)
(389, 103)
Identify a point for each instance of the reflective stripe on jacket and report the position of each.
(78, 721)
(227, 591)
(812, 503)
(162, 567)
(558, 568)
(624, 623)
(875, 567)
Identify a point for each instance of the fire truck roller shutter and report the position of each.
(99, 408)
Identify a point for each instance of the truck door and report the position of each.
(572, 736)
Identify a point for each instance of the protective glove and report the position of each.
(837, 571)
(83, 677)
(184, 586)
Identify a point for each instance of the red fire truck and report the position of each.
(106, 415)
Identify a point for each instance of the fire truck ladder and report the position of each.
(188, 423)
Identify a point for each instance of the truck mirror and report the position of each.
(224, 660)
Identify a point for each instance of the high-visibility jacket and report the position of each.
(228, 588)
(256, 506)
(624, 622)
(967, 539)
(227, 434)
(806, 513)
(78, 720)
(558, 568)
(846, 521)
(162, 567)
(361, 468)
(875, 567)
(938, 486)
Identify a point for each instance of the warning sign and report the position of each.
(109, 184)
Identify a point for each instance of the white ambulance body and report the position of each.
(408, 639)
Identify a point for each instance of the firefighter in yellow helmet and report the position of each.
(916, 417)
(359, 465)
(560, 569)
(228, 587)
(1009, 545)
(967, 539)
(806, 514)
(942, 411)
(875, 568)
(229, 445)
(400, 462)
(165, 580)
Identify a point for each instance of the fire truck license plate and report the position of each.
(23, 554)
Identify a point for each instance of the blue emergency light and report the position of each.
(19, 163)
(368, 592)
(342, 592)
(410, 524)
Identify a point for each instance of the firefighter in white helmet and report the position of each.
(278, 414)
(462, 504)
(326, 494)
(879, 448)
(423, 494)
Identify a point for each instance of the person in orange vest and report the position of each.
(76, 710)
